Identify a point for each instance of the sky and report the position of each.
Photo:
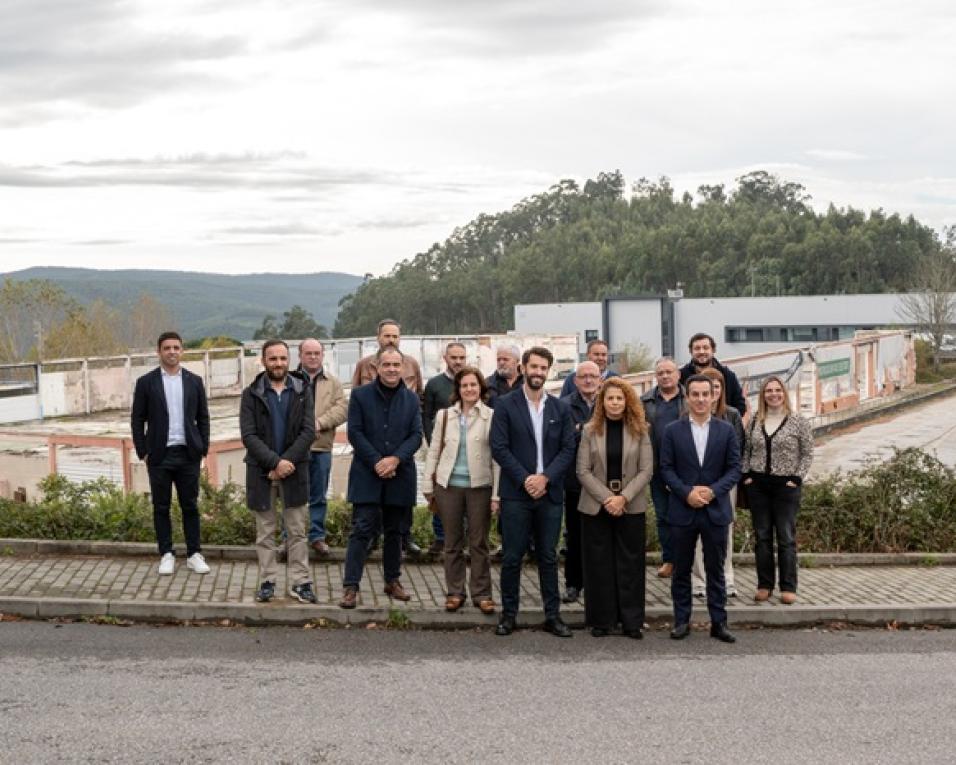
(298, 136)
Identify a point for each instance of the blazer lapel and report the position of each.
(161, 389)
(525, 415)
(602, 453)
(708, 450)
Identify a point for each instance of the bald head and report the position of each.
(587, 378)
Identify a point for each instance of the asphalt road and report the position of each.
(102, 693)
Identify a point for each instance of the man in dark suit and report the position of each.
(700, 463)
(581, 404)
(170, 425)
(532, 440)
(385, 430)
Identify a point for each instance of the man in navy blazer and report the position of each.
(170, 425)
(700, 463)
(532, 440)
(385, 430)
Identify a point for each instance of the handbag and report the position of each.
(432, 501)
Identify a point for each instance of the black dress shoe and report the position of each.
(599, 632)
(571, 595)
(506, 625)
(680, 631)
(634, 634)
(557, 627)
(721, 632)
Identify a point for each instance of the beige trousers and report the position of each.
(296, 522)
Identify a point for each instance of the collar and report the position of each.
(164, 373)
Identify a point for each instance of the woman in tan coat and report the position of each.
(462, 477)
(615, 463)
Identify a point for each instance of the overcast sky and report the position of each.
(243, 136)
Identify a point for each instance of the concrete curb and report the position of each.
(283, 613)
(107, 549)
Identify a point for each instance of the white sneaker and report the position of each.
(197, 563)
(167, 564)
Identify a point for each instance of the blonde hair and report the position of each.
(761, 402)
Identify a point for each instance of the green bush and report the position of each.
(905, 504)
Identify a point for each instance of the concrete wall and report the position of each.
(559, 318)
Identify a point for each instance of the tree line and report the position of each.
(38, 320)
(584, 243)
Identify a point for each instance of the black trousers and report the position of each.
(613, 557)
(179, 469)
(573, 573)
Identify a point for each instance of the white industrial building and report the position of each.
(741, 325)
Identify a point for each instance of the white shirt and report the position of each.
(173, 388)
(700, 433)
(537, 424)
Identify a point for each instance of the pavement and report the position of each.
(119, 581)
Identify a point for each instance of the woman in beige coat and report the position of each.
(462, 477)
(615, 463)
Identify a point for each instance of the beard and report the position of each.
(277, 374)
(535, 382)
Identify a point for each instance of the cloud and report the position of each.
(101, 242)
(293, 228)
(508, 28)
(59, 54)
(836, 155)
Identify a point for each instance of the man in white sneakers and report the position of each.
(170, 425)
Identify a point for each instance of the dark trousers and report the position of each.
(368, 521)
(613, 555)
(320, 467)
(773, 507)
(660, 496)
(520, 521)
(713, 539)
(573, 575)
(180, 469)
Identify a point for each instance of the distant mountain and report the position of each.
(207, 304)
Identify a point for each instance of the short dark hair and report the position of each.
(702, 336)
(273, 341)
(597, 341)
(460, 375)
(168, 336)
(455, 344)
(699, 378)
(388, 349)
(383, 322)
(537, 350)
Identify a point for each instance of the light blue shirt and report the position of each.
(173, 388)
(700, 433)
(537, 424)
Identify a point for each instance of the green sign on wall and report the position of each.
(833, 368)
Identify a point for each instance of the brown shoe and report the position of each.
(665, 571)
(437, 547)
(349, 598)
(321, 548)
(454, 602)
(788, 598)
(395, 590)
(487, 606)
(762, 595)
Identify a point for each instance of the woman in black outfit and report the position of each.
(615, 462)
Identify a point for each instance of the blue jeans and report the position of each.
(520, 520)
(320, 467)
(437, 529)
(367, 522)
(660, 497)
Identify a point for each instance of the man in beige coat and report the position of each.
(330, 412)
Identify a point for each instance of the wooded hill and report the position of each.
(205, 305)
(575, 243)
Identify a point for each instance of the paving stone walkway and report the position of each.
(129, 587)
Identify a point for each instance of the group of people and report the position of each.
(500, 447)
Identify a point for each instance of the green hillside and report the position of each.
(207, 304)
